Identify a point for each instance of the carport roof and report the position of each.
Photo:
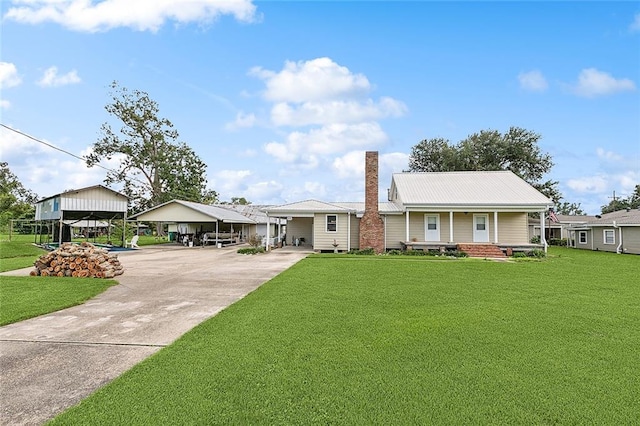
(307, 206)
(214, 212)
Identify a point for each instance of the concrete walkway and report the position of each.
(51, 362)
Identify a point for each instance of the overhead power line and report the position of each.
(40, 141)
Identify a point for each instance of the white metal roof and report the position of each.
(214, 212)
(307, 206)
(486, 188)
(387, 207)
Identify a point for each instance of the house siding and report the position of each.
(512, 228)
(175, 213)
(324, 240)
(355, 232)
(395, 231)
(631, 239)
(463, 227)
(597, 234)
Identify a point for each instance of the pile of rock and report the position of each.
(78, 260)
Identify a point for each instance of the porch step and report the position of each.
(481, 250)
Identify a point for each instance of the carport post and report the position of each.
(268, 226)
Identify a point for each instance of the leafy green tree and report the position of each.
(630, 202)
(154, 166)
(237, 201)
(516, 150)
(16, 201)
(567, 208)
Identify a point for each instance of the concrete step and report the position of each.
(481, 250)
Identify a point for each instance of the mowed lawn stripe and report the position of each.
(384, 340)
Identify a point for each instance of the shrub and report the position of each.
(255, 240)
(558, 242)
(456, 253)
(251, 250)
(535, 240)
(395, 252)
(364, 252)
(519, 254)
(537, 253)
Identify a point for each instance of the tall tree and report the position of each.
(516, 150)
(567, 208)
(630, 202)
(154, 166)
(16, 201)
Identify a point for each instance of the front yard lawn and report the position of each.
(27, 297)
(383, 340)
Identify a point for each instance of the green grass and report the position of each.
(27, 297)
(18, 253)
(383, 340)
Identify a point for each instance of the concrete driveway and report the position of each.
(51, 362)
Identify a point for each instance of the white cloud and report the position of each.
(230, 182)
(533, 81)
(4, 104)
(50, 78)
(315, 80)
(609, 156)
(9, 75)
(326, 141)
(93, 16)
(592, 82)
(350, 165)
(242, 120)
(393, 162)
(590, 184)
(635, 25)
(283, 114)
(263, 192)
(14, 146)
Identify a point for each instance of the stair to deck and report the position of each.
(481, 250)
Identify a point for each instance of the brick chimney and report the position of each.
(371, 224)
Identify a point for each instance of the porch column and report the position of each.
(543, 239)
(217, 233)
(451, 226)
(406, 238)
(348, 231)
(268, 226)
(495, 227)
(279, 230)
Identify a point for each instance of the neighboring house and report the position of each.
(87, 205)
(559, 229)
(617, 232)
(425, 210)
(193, 220)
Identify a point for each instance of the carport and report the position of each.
(199, 222)
(88, 205)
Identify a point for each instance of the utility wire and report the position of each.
(52, 146)
(40, 141)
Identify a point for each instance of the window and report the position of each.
(582, 237)
(332, 223)
(609, 236)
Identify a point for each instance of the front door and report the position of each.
(432, 227)
(480, 228)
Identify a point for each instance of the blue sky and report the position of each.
(281, 99)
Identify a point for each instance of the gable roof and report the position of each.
(466, 189)
(566, 219)
(252, 211)
(620, 217)
(214, 212)
(88, 188)
(307, 206)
